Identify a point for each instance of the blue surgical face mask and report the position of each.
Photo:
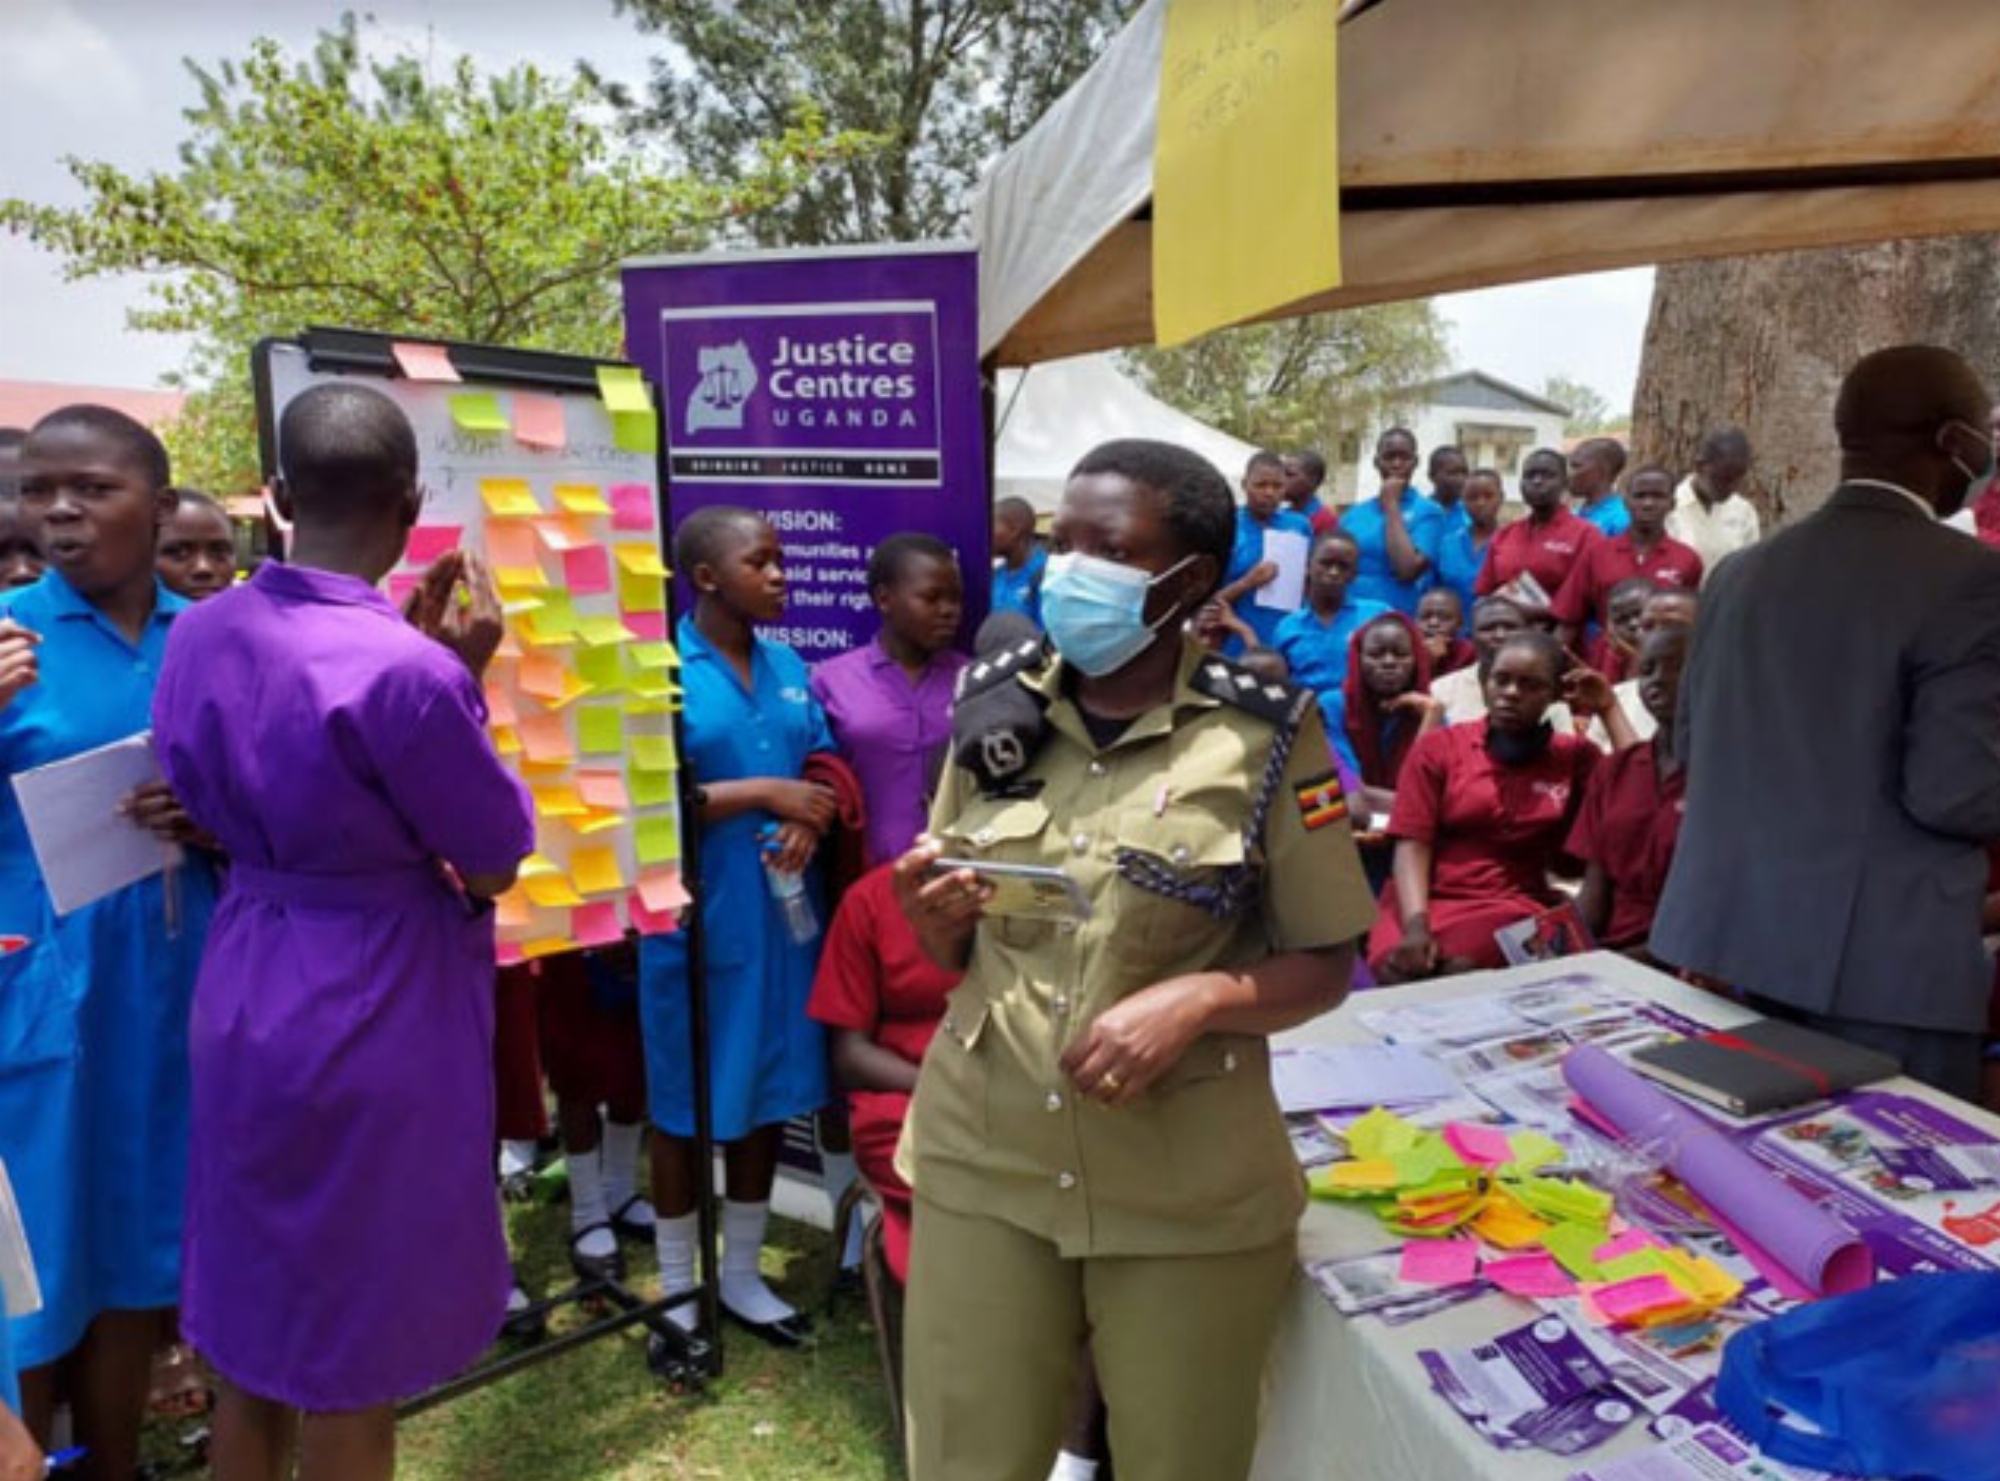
(1095, 611)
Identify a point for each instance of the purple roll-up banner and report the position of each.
(833, 390)
(1772, 1224)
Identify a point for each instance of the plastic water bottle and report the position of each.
(789, 890)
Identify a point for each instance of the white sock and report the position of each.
(674, 1240)
(517, 1158)
(618, 1155)
(839, 1173)
(1073, 1468)
(743, 1288)
(586, 1206)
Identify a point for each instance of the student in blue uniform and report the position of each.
(1449, 471)
(750, 722)
(1018, 560)
(1314, 639)
(94, 1012)
(1397, 531)
(1462, 550)
(1262, 512)
(1594, 467)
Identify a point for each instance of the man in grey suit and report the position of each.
(1840, 720)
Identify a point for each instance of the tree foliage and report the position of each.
(1589, 411)
(945, 84)
(338, 190)
(1305, 382)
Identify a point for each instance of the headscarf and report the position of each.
(1381, 763)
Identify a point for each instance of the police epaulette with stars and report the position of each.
(1028, 656)
(1268, 699)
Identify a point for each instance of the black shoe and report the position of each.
(790, 1331)
(528, 1323)
(629, 1228)
(605, 1269)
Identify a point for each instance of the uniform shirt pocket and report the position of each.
(40, 997)
(1160, 933)
(1003, 830)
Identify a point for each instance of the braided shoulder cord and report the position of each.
(1235, 888)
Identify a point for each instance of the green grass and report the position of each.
(599, 1414)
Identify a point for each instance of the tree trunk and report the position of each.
(1763, 342)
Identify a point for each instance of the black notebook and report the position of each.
(1764, 1066)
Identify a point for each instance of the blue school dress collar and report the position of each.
(64, 603)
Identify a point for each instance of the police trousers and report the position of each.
(994, 1328)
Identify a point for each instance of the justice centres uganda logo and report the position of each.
(847, 381)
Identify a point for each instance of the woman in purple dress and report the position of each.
(344, 1247)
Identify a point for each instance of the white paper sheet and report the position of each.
(20, 1295)
(1288, 551)
(1328, 1076)
(85, 849)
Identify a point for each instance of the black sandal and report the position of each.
(626, 1228)
(606, 1269)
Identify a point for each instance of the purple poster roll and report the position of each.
(1822, 1255)
(836, 392)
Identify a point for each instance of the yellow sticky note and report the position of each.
(551, 891)
(1376, 1174)
(656, 840)
(536, 865)
(635, 431)
(557, 616)
(508, 498)
(602, 668)
(506, 740)
(600, 730)
(596, 870)
(640, 560)
(558, 801)
(546, 946)
(652, 788)
(623, 388)
(582, 498)
(599, 631)
(1246, 132)
(653, 655)
(478, 411)
(597, 822)
(641, 593)
(653, 753)
(535, 635)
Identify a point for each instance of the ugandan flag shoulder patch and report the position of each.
(1321, 801)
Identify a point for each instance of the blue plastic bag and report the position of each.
(1902, 1379)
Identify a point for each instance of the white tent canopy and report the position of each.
(1489, 143)
(1052, 414)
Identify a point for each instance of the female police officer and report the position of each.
(1094, 1145)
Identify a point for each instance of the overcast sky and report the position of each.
(102, 79)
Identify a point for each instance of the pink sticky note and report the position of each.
(587, 570)
(428, 542)
(1630, 1242)
(546, 738)
(646, 627)
(1627, 1298)
(662, 890)
(596, 924)
(401, 585)
(511, 546)
(538, 420)
(507, 954)
(1439, 1262)
(423, 362)
(651, 922)
(500, 706)
(631, 506)
(1534, 1274)
(1479, 1146)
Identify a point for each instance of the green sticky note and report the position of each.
(650, 788)
(478, 411)
(1380, 1133)
(657, 840)
(641, 593)
(599, 632)
(1572, 1244)
(1635, 1264)
(652, 655)
(1532, 1150)
(635, 431)
(653, 753)
(1429, 1161)
(600, 730)
(557, 617)
(623, 388)
(601, 668)
(1567, 1202)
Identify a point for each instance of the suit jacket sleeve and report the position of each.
(1951, 743)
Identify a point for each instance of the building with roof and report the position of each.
(1497, 423)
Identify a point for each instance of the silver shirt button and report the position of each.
(1080, 843)
(1061, 1005)
(1181, 854)
(1096, 768)
(1066, 1182)
(983, 837)
(1229, 1061)
(1054, 1102)
(1066, 926)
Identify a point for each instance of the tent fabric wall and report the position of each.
(1485, 143)
(1051, 415)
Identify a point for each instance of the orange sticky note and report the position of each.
(562, 532)
(602, 789)
(662, 890)
(538, 420)
(542, 675)
(511, 546)
(596, 870)
(512, 908)
(546, 738)
(499, 706)
(424, 362)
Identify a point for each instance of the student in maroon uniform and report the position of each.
(1631, 814)
(1482, 810)
(1441, 619)
(1615, 652)
(1646, 549)
(1549, 541)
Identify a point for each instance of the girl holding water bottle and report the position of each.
(750, 723)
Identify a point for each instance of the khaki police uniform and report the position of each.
(1165, 1229)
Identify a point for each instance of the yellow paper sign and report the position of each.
(1246, 162)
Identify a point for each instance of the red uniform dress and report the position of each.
(875, 979)
(1586, 593)
(1495, 831)
(1544, 551)
(1629, 823)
